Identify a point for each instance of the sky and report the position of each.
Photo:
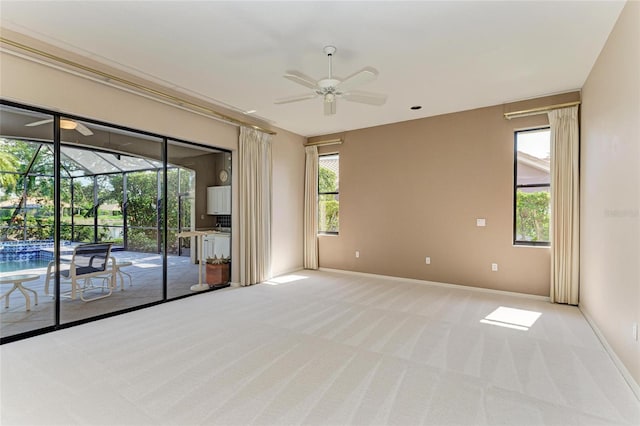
(536, 143)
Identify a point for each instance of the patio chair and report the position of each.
(87, 262)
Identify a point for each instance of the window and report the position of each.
(328, 193)
(532, 189)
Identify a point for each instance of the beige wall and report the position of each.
(610, 205)
(414, 189)
(34, 84)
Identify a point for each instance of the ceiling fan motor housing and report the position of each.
(328, 83)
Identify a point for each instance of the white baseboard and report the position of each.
(438, 284)
(618, 363)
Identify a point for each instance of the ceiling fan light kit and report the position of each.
(68, 124)
(331, 88)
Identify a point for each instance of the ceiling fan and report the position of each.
(331, 88)
(66, 124)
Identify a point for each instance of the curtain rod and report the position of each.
(539, 110)
(183, 103)
(323, 143)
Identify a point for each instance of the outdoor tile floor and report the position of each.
(146, 279)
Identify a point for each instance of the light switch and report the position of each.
(481, 222)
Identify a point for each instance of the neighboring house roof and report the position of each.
(544, 165)
(110, 207)
(331, 164)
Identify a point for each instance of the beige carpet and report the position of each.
(327, 349)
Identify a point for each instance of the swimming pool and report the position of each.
(31, 254)
(22, 265)
(26, 250)
(23, 255)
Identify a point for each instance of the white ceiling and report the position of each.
(445, 56)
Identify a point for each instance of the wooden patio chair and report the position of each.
(87, 262)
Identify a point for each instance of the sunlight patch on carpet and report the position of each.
(518, 319)
(284, 279)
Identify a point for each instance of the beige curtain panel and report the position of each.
(255, 206)
(565, 206)
(311, 208)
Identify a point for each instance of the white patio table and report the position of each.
(17, 281)
(199, 235)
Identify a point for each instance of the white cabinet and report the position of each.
(218, 245)
(222, 245)
(219, 200)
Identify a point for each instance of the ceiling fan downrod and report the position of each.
(329, 51)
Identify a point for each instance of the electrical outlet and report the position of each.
(494, 267)
(201, 217)
(427, 260)
(357, 254)
(481, 222)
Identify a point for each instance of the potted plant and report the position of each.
(218, 271)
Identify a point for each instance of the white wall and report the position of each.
(610, 181)
(34, 84)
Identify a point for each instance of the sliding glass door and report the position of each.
(97, 220)
(116, 198)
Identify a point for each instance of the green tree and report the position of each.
(15, 157)
(328, 205)
(327, 180)
(82, 196)
(179, 181)
(21, 150)
(142, 200)
(532, 216)
(328, 217)
(9, 163)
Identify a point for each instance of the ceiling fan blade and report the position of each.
(329, 107)
(37, 123)
(361, 77)
(365, 97)
(295, 98)
(302, 79)
(83, 129)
